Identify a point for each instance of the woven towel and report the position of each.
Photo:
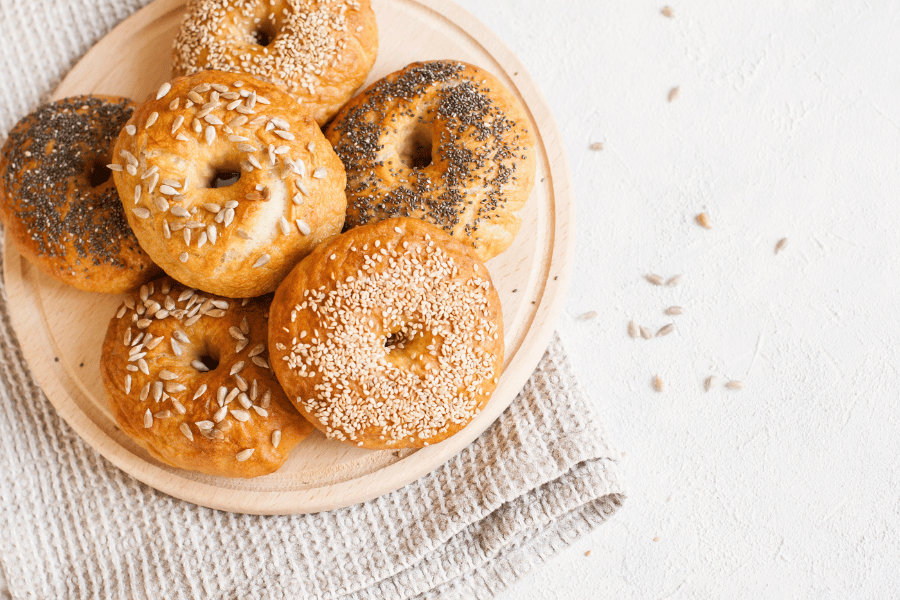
(74, 526)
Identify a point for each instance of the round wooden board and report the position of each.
(61, 329)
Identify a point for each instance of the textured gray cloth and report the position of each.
(74, 526)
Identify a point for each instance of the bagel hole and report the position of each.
(222, 176)
(98, 173)
(263, 34)
(415, 149)
(209, 358)
(394, 340)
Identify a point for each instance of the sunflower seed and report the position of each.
(163, 90)
(588, 316)
(186, 430)
(178, 406)
(261, 411)
(143, 366)
(241, 415)
(673, 93)
(266, 399)
(175, 347)
(130, 129)
(276, 438)
(259, 361)
(151, 120)
(148, 419)
(128, 384)
(173, 387)
(141, 213)
(163, 414)
(145, 391)
(673, 281)
(209, 135)
(244, 400)
(167, 375)
(241, 383)
(262, 260)
(735, 385)
(674, 310)
(645, 333)
(237, 366)
(704, 221)
(781, 245)
(633, 330)
(658, 384)
(303, 227)
(157, 390)
(244, 454)
(666, 11)
(257, 350)
(654, 279)
(710, 382)
(597, 146)
(320, 173)
(666, 330)
(220, 414)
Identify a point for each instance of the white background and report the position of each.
(787, 125)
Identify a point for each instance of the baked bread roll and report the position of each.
(227, 183)
(389, 336)
(440, 141)
(187, 376)
(58, 202)
(320, 51)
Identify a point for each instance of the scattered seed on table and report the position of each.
(673, 93)
(597, 146)
(674, 310)
(666, 330)
(735, 385)
(710, 382)
(588, 316)
(666, 11)
(656, 539)
(658, 384)
(674, 280)
(588, 553)
(703, 220)
(654, 279)
(781, 245)
(645, 333)
(633, 330)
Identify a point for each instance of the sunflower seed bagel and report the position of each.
(227, 183)
(187, 377)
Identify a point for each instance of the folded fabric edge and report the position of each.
(513, 540)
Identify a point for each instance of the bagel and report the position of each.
(320, 51)
(227, 184)
(389, 336)
(58, 202)
(187, 377)
(441, 141)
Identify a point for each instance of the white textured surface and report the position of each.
(786, 126)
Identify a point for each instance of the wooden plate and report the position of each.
(61, 329)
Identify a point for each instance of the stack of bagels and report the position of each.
(253, 171)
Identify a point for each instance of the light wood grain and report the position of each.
(60, 329)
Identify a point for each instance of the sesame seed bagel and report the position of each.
(58, 202)
(441, 141)
(226, 183)
(187, 376)
(320, 51)
(389, 336)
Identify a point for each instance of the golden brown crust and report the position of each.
(440, 141)
(241, 240)
(319, 51)
(389, 336)
(158, 397)
(58, 209)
